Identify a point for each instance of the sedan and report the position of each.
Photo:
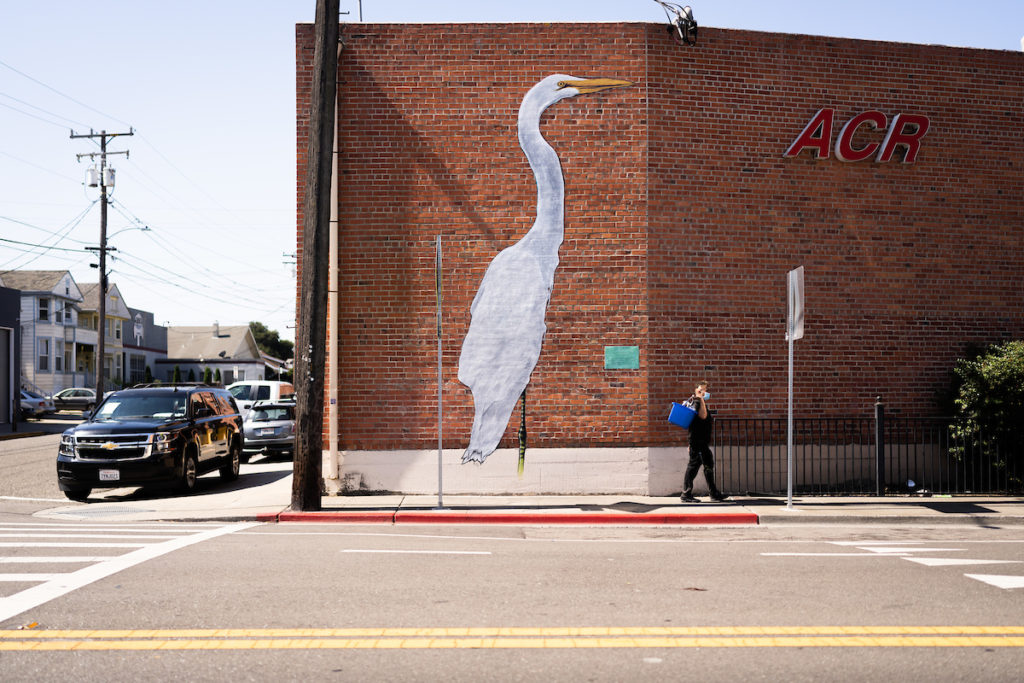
(34, 405)
(75, 398)
(269, 428)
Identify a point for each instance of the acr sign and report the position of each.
(906, 130)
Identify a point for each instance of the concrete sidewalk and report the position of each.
(264, 495)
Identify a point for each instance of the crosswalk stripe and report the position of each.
(29, 578)
(999, 581)
(40, 559)
(62, 584)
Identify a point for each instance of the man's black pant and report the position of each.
(700, 454)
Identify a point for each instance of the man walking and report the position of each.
(700, 448)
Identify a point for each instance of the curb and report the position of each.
(895, 520)
(519, 518)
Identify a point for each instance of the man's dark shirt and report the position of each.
(700, 430)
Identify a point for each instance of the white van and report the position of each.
(248, 392)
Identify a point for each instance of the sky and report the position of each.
(208, 89)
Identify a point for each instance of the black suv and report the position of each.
(163, 434)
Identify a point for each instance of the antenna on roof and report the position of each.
(682, 25)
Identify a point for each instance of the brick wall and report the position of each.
(682, 218)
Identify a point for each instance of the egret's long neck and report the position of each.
(548, 172)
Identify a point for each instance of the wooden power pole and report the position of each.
(311, 328)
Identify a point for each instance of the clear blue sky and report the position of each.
(208, 86)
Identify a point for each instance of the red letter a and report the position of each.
(816, 135)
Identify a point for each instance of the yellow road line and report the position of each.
(495, 632)
(507, 643)
(512, 637)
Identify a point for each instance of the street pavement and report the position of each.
(263, 494)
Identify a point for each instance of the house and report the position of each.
(116, 315)
(53, 349)
(230, 349)
(144, 344)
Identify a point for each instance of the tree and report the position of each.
(207, 375)
(217, 379)
(176, 377)
(270, 343)
(191, 375)
(990, 407)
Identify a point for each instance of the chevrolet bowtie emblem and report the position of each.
(109, 446)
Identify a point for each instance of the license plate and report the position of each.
(110, 475)
(265, 432)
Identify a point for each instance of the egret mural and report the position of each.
(507, 327)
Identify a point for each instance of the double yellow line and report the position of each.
(513, 637)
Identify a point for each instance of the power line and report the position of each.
(50, 113)
(67, 97)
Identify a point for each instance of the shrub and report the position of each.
(990, 407)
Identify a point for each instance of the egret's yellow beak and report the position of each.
(591, 85)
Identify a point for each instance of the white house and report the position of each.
(51, 343)
(230, 349)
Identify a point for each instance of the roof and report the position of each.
(91, 300)
(40, 281)
(210, 342)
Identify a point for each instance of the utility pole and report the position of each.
(105, 180)
(311, 331)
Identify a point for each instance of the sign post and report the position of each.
(440, 424)
(794, 331)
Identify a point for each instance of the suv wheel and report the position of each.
(230, 471)
(78, 495)
(189, 473)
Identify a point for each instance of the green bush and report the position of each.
(990, 406)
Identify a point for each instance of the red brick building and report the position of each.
(683, 215)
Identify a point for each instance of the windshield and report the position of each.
(272, 414)
(142, 407)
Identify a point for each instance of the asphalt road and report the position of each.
(800, 603)
(97, 599)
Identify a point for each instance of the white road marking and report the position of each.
(891, 551)
(40, 559)
(948, 562)
(7, 544)
(62, 584)
(421, 552)
(38, 500)
(33, 534)
(29, 578)
(820, 555)
(999, 581)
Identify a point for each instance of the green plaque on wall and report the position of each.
(622, 358)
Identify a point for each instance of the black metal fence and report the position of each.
(857, 456)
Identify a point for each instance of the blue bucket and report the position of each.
(681, 415)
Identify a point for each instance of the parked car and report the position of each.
(34, 405)
(169, 434)
(269, 429)
(75, 398)
(248, 392)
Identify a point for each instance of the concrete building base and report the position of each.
(564, 471)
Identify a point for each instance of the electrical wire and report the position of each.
(67, 97)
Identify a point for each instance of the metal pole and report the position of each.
(789, 429)
(879, 447)
(440, 423)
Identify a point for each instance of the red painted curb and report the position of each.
(521, 518)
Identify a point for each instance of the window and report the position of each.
(58, 356)
(44, 309)
(137, 369)
(44, 355)
(67, 357)
(58, 313)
